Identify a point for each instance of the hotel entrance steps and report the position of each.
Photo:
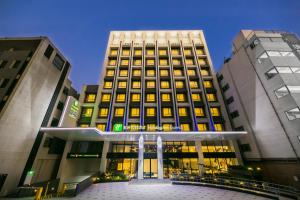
(149, 181)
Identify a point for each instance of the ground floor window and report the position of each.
(218, 165)
(175, 166)
(127, 167)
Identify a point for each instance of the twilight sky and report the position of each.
(80, 28)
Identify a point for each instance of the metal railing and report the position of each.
(241, 184)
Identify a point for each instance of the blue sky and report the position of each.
(80, 28)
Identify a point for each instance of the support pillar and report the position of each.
(141, 158)
(200, 158)
(103, 161)
(160, 168)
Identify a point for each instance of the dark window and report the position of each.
(234, 114)
(239, 128)
(57, 146)
(229, 100)
(54, 122)
(220, 77)
(16, 64)
(66, 91)
(60, 105)
(58, 62)
(4, 83)
(245, 147)
(48, 51)
(225, 88)
(47, 142)
(3, 63)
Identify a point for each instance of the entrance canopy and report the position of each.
(94, 134)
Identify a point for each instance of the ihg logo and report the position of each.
(118, 127)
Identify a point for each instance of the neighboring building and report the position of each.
(32, 75)
(261, 85)
(157, 111)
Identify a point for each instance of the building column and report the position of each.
(103, 161)
(200, 158)
(62, 173)
(141, 158)
(160, 163)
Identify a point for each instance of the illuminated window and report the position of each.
(166, 97)
(113, 52)
(164, 72)
(167, 127)
(122, 84)
(137, 52)
(120, 98)
(150, 112)
(215, 111)
(136, 72)
(119, 112)
(189, 61)
(84, 125)
(90, 98)
(150, 52)
(179, 84)
(180, 97)
(136, 84)
(150, 97)
(137, 62)
(211, 97)
(208, 84)
(199, 51)
(151, 127)
(192, 72)
(112, 62)
(188, 52)
(103, 112)
(124, 62)
(150, 72)
(202, 127)
(150, 62)
(199, 112)
(196, 97)
(110, 72)
(204, 72)
(182, 112)
(194, 84)
(163, 62)
(176, 61)
(125, 52)
(201, 61)
(101, 127)
(167, 112)
(105, 98)
(162, 52)
(123, 72)
(87, 112)
(150, 84)
(218, 127)
(175, 52)
(164, 84)
(135, 112)
(178, 72)
(135, 97)
(185, 127)
(107, 84)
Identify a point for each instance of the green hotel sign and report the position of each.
(74, 109)
(118, 127)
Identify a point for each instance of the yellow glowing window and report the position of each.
(185, 127)
(137, 62)
(192, 72)
(194, 84)
(113, 52)
(150, 52)
(167, 127)
(125, 52)
(107, 84)
(182, 112)
(138, 52)
(150, 84)
(123, 72)
(218, 127)
(87, 112)
(202, 127)
(124, 62)
(178, 72)
(150, 72)
(112, 62)
(176, 61)
(136, 84)
(207, 84)
(110, 72)
(201, 61)
(90, 98)
(164, 72)
(150, 112)
(135, 97)
(133, 127)
(199, 112)
(196, 97)
(121, 97)
(199, 51)
(215, 111)
(122, 84)
(163, 62)
(189, 61)
(211, 97)
(162, 52)
(150, 62)
(135, 112)
(167, 112)
(179, 84)
(119, 112)
(204, 72)
(175, 52)
(101, 127)
(180, 97)
(103, 112)
(188, 52)
(164, 84)
(166, 97)
(151, 127)
(105, 97)
(150, 97)
(136, 72)
(84, 125)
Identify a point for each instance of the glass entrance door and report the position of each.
(150, 168)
